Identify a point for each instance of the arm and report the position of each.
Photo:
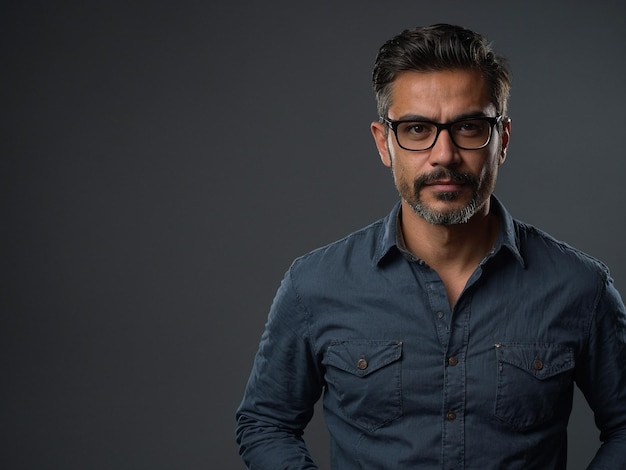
(602, 378)
(283, 387)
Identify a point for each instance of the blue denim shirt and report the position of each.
(409, 382)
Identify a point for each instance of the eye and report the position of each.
(469, 128)
(416, 130)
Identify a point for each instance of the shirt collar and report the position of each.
(389, 239)
(508, 236)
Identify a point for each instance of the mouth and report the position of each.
(446, 185)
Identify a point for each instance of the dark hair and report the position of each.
(439, 47)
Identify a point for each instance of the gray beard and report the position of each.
(460, 216)
(453, 217)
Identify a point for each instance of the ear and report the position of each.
(506, 136)
(380, 133)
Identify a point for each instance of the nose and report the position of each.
(444, 152)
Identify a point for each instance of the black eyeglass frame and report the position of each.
(393, 125)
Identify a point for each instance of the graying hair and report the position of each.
(435, 48)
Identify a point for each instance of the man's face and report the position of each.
(445, 184)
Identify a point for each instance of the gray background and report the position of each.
(163, 162)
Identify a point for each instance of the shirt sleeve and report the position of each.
(601, 376)
(283, 387)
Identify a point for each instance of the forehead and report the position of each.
(439, 95)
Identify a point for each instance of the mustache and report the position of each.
(445, 174)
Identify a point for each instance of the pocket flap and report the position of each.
(540, 360)
(362, 357)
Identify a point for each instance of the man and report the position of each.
(447, 335)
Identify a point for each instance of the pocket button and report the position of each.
(361, 364)
(537, 364)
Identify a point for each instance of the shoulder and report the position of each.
(540, 248)
(357, 247)
(347, 264)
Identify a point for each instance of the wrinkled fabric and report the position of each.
(409, 382)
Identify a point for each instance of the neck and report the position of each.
(457, 247)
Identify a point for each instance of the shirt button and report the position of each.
(537, 364)
(453, 360)
(450, 415)
(361, 364)
(439, 314)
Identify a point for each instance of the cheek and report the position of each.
(488, 175)
(401, 172)
(490, 160)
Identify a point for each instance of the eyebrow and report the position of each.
(419, 117)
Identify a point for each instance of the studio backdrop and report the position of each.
(162, 163)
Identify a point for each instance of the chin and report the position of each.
(460, 214)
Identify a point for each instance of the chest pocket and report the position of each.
(535, 383)
(363, 378)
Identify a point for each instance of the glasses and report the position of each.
(467, 134)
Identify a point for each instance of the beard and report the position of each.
(452, 216)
